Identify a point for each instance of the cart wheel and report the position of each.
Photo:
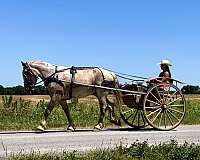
(164, 106)
(133, 116)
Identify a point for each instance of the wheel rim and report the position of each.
(133, 117)
(164, 106)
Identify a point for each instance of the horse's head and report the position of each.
(30, 78)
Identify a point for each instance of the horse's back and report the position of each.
(109, 76)
(93, 75)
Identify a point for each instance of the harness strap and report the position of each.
(52, 78)
(73, 71)
(101, 73)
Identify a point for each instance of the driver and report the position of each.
(163, 78)
(165, 75)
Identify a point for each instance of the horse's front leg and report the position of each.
(65, 107)
(54, 99)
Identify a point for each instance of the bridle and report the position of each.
(28, 82)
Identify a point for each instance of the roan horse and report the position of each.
(61, 85)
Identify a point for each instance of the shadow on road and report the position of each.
(83, 130)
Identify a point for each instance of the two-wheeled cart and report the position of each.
(160, 105)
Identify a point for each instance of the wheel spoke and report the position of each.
(164, 119)
(174, 93)
(152, 102)
(153, 112)
(143, 119)
(152, 107)
(176, 110)
(127, 111)
(174, 101)
(139, 118)
(177, 105)
(170, 120)
(155, 97)
(163, 94)
(160, 120)
(134, 117)
(168, 93)
(157, 115)
(129, 116)
(173, 115)
(158, 93)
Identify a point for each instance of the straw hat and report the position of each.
(165, 61)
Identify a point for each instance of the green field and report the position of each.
(23, 114)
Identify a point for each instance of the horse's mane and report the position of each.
(46, 64)
(39, 62)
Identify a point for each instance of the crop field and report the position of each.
(38, 98)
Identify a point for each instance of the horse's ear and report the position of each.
(24, 64)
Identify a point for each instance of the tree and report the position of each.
(19, 90)
(1, 89)
(189, 89)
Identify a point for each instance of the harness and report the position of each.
(73, 70)
(53, 78)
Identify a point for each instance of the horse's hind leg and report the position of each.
(110, 107)
(103, 106)
(65, 107)
(48, 110)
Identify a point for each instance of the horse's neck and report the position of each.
(43, 70)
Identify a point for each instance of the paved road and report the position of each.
(83, 140)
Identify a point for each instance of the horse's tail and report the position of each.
(117, 93)
(110, 76)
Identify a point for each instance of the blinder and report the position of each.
(29, 77)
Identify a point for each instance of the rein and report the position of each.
(123, 75)
(118, 74)
(53, 74)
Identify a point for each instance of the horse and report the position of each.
(61, 83)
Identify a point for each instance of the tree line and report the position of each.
(41, 90)
(19, 90)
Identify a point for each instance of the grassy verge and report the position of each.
(137, 151)
(192, 112)
(25, 115)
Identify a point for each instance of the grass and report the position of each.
(192, 112)
(137, 151)
(22, 114)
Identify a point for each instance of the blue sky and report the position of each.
(129, 36)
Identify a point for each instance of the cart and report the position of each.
(159, 105)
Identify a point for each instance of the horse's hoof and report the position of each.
(40, 129)
(70, 129)
(97, 128)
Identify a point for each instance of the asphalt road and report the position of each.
(84, 140)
